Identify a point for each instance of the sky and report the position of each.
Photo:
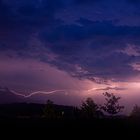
(81, 47)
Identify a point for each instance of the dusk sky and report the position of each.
(79, 48)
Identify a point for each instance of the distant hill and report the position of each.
(30, 109)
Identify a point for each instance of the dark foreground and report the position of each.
(110, 128)
(21, 120)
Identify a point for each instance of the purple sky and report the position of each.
(84, 47)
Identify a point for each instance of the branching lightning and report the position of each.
(53, 92)
(38, 92)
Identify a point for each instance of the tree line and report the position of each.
(89, 109)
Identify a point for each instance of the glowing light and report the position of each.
(93, 89)
(135, 85)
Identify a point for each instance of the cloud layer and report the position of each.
(87, 39)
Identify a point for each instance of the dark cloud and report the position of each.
(88, 48)
(94, 48)
(89, 29)
(134, 1)
(86, 1)
(29, 12)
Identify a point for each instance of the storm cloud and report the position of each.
(87, 39)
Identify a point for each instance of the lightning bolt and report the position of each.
(93, 89)
(49, 92)
(38, 92)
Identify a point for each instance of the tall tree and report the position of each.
(49, 110)
(90, 109)
(112, 105)
(135, 112)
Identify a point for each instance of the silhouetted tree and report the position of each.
(112, 105)
(135, 112)
(76, 113)
(90, 109)
(49, 110)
